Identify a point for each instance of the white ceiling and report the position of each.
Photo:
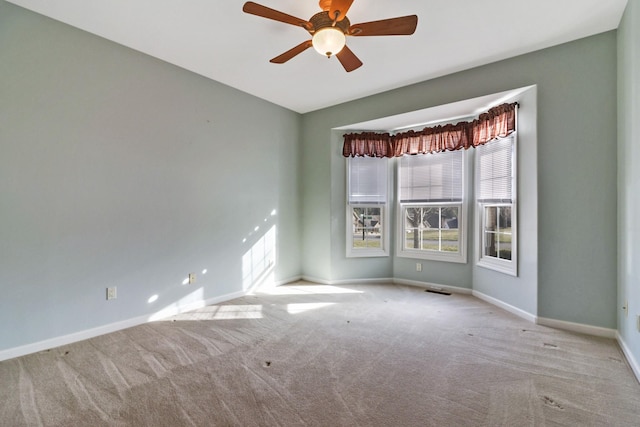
(216, 39)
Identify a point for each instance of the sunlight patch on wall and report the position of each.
(259, 261)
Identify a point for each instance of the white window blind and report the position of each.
(367, 180)
(431, 177)
(495, 171)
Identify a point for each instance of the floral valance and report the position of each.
(498, 122)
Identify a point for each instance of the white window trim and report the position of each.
(459, 257)
(383, 251)
(492, 263)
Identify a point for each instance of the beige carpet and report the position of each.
(315, 355)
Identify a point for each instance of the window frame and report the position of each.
(351, 250)
(457, 257)
(383, 250)
(509, 267)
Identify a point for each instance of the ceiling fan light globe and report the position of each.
(329, 41)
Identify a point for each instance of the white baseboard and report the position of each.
(508, 307)
(268, 281)
(432, 286)
(315, 280)
(577, 327)
(70, 338)
(635, 367)
(390, 280)
(287, 281)
(112, 327)
(383, 280)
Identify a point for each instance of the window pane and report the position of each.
(505, 254)
(412, 225)
(432, 228)
(367, 227)
(450, 232)
(497, 232)
(490, 244)
(504, 235)
(412, 239)
(505, 217)
(490, 215)
(450, 217)
(412, 218)
(431, 218)
(450, 241)
(431, 240)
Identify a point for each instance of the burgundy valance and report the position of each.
(498, 122)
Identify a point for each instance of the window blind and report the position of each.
(367, 180)
(495, 171)
(431, 177)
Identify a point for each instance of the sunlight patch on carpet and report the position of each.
(310, 289)
(302, 307)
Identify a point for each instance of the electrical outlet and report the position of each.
(192, 278)
(625, 308)
(111, 293)
(418, 266)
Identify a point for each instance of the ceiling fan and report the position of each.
(330, 27)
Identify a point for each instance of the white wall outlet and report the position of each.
(418, 266)
(192, 278)
(112, 293)
(625, 308)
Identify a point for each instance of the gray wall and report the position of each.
(117, 169)
(576, 165)
(520, 291)
(629, 178)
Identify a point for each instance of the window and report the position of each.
(367, 182)
(431, 206)
(495, 196)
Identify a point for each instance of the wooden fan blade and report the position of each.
(348, 59)
(281, 59)
(339, 9)
(266, 12)
(402, 26)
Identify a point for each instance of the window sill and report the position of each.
(433, 256)
(504, 267)
(367, 253)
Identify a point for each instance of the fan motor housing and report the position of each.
(323, 20)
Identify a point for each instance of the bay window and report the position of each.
(431, 194)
